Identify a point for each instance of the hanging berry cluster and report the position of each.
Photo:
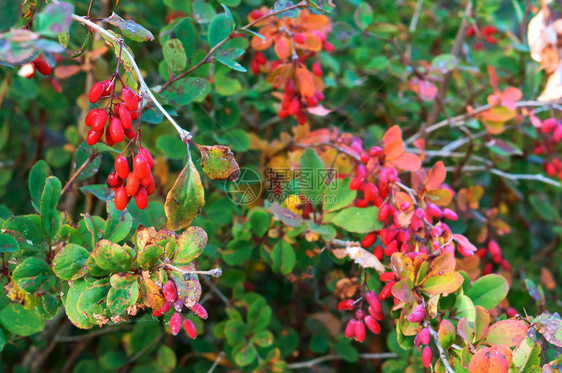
(550, 135)
(119, 112)
(140, 182)
(356, 326)
(295, 41)
(40, 64)
(171, 295)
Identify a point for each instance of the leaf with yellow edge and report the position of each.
(446, 283)
(151, 294)
(481, 322)
(506, 332)
(490, 360)
(218, 162)
(185, 199)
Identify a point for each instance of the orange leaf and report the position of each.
(394, 133)
(407, 161)
(436, 176)
(493, 77)
(446, 283)
(489, 360)
(305, 83)
(441, 197)
(312, 42)
(63, 72)
(481, 322)
(506, 332)
(509, 96)
(442, 264)
(394, 149)
(283, 47)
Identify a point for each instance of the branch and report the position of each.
(78, 172)
(459, 120)
(442, 353)
(513, 177)
(444, 87)
(216, 363)
(207, 58)
(318, 360)
(215, 272)
(184, 134)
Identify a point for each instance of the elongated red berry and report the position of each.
(417, 315)
(346, 305)
(260, 57)
(150, 187)
(93, 137)
(372, 324)
(98, 122)
(96, 92)
(42, 65)
(360, 331)
(356, 183)
(299, 38)
(255, 66)
(350, 329)
(125, 116)
(131, 98)
(369, 240)
(147, 181)
(116, 129)
(427, 356)
(175, 323)
(294, 106)
(387, 290)
(170, 292)
(387, 276)
(122, 167)
(199, 310)
(113, 180)
(425, 336)
(146, 154)
(450, 214)
(133, 184)
(121, 198)
(162, 310)
(92, 114)
(374, 301)
(141, 166)
(141, 198)
(130, 133)
(384, 212)
(189, 328)
(108, 87)
(317, 69)
(27, 71)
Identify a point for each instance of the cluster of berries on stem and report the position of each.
(170, 293)
(39, 64)
(355, 328)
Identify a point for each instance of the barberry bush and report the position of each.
(280, 186)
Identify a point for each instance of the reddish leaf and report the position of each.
(403, 290)
(407, 161)
(305, 83)
(312, 42)
(481, 322)
(444, 263)
(446, 333)
(509, 96)
(493, 77)
(489, 360)
(394, 133)
(464, 330)
(282, 47)
(436, 176)
(506, 332)
(443, 284)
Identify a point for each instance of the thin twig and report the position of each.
(78, 172)
(216, 290)
(442, 353)
(216, 363)
(215, 272)
(319, 360)
(207, 58)
(513, 177)
(75, 338)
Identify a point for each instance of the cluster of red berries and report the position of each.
(551, 130)
(40, 64)
(487, 33)
(140, 182)
(170, 293)
(119, 115)
(495, 252)
(356, 326)
(294, 103)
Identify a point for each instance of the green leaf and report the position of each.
(93, 299)
(184, 32)
(184, 91)
(8, 244)
(166, 359)
(55, 18)
(446, 333)
(33, 275)
(112, 257)
(263, 338)
(234, 65)
(185, 199)
(37, 177)
(344, 348)
(203, 11)
(312, 175)
(259, 220)
(465, 308)
(81, 156)
(130, 29)
(259, 314)
(363, 15)
(50, 220)
(245, 355)
(20, 321)
(190, 245)
(237, 139)
(358, 220)
(220, 29)
(149, 255)
(122, 295)
(237, 252)
(48, 306)
(446, 283)
(488, 291)
(282, 4)
(70, 305)
(174, 54)
(100, 191)
(283, 256)
(70, 262)
(234, 331)
(544, 208)
(218, 163)
(337, 195)
(118, 224)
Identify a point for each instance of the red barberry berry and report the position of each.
(199, 310)
(121, 198)
(141, 166)
(372, 324)
(162, 310)
(189, 328)
(96, 92)
(170, 292)
(175, 323)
